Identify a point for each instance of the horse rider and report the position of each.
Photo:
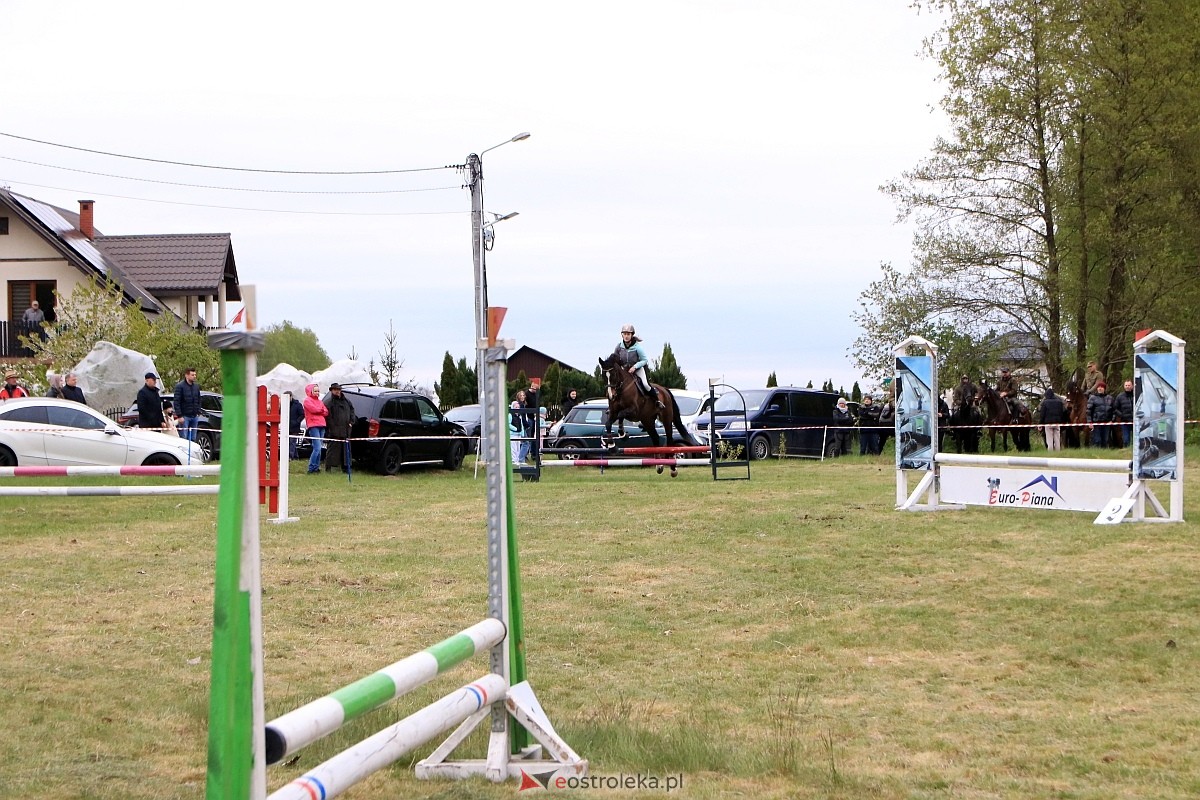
(1091, 378)
(964, 393)
(629, 354)
(1007, 387)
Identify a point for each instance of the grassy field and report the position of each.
(787, 637)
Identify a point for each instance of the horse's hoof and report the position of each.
(659, 469)
(674, 472)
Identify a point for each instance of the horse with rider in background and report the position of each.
(1004, 415)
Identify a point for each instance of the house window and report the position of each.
(22, 293)
(3, 226)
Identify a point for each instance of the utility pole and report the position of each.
(475, 182)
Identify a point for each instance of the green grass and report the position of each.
(787, 636)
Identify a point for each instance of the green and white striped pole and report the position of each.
(236, 765)
(307, 724)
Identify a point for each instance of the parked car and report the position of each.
(40, 432)
(583, 428)
(394, 428)
(208, 432)
(796, 417)
(470, 417)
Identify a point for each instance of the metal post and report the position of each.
(475, 183)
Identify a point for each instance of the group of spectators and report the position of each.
(527, 420)
(331, 419)
(180, 415)
(874, 422)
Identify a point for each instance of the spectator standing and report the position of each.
(315, 413)
(942, 421)
(33, 318)
(1122, 412)
(868, 419)
(887, 424)
(571, 401)
(55, 380)
(1099, 406)
(12, 389)
(524, 417)
(845, 420)
(71, 390)
(295, 423)
(149, 405)
(337, 429)
(187, 403)
(1052, 413)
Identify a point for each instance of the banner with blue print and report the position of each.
(916, 412)
(1157, 423)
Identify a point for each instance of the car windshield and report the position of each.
(463, 414)
(731, 401)
(688, 405)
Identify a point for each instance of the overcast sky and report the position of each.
(706, 171)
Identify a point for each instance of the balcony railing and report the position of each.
(10, 343)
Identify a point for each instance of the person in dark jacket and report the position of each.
(337, 429)
(868, 419)
(56, 383)
(1052, 413)
(1099, 406)
(1122, 411)
(149, 404)
(187, 404)
(845, 421)
(71, 390)
(295, 423)
(571, 401)
(942, 421)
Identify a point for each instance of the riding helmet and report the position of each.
(627, 328)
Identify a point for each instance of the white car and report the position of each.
(44, 432)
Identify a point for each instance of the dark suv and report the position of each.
(393, 428)
(801, 419)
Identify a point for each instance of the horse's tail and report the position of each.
(677, 420)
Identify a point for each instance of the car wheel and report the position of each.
(831, 449)
(570, 444)
(160, 460)
(454, 459)
(390, 459)
(204, 440)
(760, 448)
(7, 457)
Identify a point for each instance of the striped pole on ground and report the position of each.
(105, 491)
(307, 724)
(374, 753)
(629, 462)
(143, 471)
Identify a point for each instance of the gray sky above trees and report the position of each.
(706, 171)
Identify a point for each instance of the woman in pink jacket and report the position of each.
(314, 418)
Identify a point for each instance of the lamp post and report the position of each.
(475, 183)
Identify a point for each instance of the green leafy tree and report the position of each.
(665, 371)
(286, 343)
(552, 386)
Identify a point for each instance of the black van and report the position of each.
(802, 419)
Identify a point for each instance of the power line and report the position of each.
(223, 188)
(5, 181)
(230, 169)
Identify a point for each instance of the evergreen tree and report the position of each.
(772, 382)
(665, 371)
(855, 393)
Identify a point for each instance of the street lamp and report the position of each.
(478, 247)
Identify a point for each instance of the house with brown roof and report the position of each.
(46, 250)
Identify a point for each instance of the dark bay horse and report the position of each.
(965, 422)
(999, 416)
(1076, 404)
(626, 401)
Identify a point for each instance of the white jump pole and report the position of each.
(374, 753)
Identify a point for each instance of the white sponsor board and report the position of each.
(1062, 490)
